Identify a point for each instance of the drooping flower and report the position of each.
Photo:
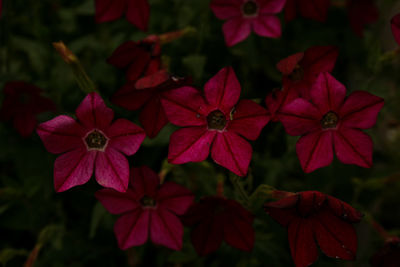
(361, 13)
(395, 25)
(22, 102)
(146, 93)
(312, 217)
(315, 10)
(137, 12)
(93, 143)
(216, 219)
(245, 16)
(329, 122)
(214, 121)
(388, 255)
(148, 210)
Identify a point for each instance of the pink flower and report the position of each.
(395, 25)
(146, 94)
(215, 219)
(91, 143)
(361, 13)
(331, 121)
(22, 102)
(147, 208)
(137, 11)
(315, 10)
(215, 121)
(312, 217)
(245, 16)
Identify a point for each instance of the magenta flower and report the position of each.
(215, 219)
(245, 16)
(315, 10)
(395, 25)
(22, 102)
(329, 122)
(214, 121)
(361, 13)
(137, 11)
(312, 217)
(92, 143)
(147, 209)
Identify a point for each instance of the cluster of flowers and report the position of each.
(311, 104)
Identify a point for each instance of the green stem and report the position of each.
(239, 188)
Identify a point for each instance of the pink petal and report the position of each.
(249, 119)
(302, 245)
(190, 145)
(153, 80)
(131, 98)
(336, 238)
(61, 134)
(93, 112)
(236, 30)
(267, 26)
(226, 9)
(116, 202)
(138, 66)
(73, 168)
(138, 13)
(327, 93)
(316, 10)
(283, 216)
(238, 232)
(108, 10)
(318, 59)
(315, 150)
(279, 98)
(132, 229)
(112, 170)
(208, 235)
(166, 229)
(287, 65)
(271, 6)
(124, 54)
(232, 152)
(353, 147)
(222, 91)
(125, 136)
(153, 117)
(145, 181)
(25, 123)
(300, 117)
(395, 26)
(174, 198)
(360, 110)
(185, 107)
(344, 210)
(310, 202)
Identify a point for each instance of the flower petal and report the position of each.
(226, 9)
(360, 110)
(238, 232)
(131, 98)
(132, 229)
(138, 66)
(267, 26)
(290, 10)
(315, 150)
(249, 119)
(166, 229)
(174, 198)
(232, 152)
(316, 10)
(287, 65)
(93, 112)
(395, 26)
(112, 170)
(125, 136)
(271, 6)
(145, 181)
(353, 147)
(108, 10)
(279, 98)
(208, 235)
(124, 54)
(24, 123)
(73, 168)
(138, 13)
(344, 210)
(318, 59)
(190, 145)
(236, 30)
(153, 117)
(116, 202)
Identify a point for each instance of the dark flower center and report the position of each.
(329, 120)
(250, 8)
(96, 140)
(216, 120)
(297, 74)
(147, 201)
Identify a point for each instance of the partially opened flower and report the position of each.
(315, 10)
(148, 210)
(330, 122)
(216, 219)
(388, 255)
(395, 25)
(361, 13)
(93, 143)
(137, 12)
(245, 16)
(314, 218)
(214, 121)
(146, 94)
(22, 103)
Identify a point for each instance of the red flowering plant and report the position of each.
(22, 103)
(245, 16)
(215, 121)
(312, 217)
(315, 10)
(91, 143)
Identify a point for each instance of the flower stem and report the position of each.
(239, 188)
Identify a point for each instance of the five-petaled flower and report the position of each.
(148, 209)
(137, 11)
(312, 217)
(331, 121)
(395, 25)
(315, 10)
(388, 255)
(22, 102)
(245, 16)
(215, 121)
(92, 142)
(215, 219)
